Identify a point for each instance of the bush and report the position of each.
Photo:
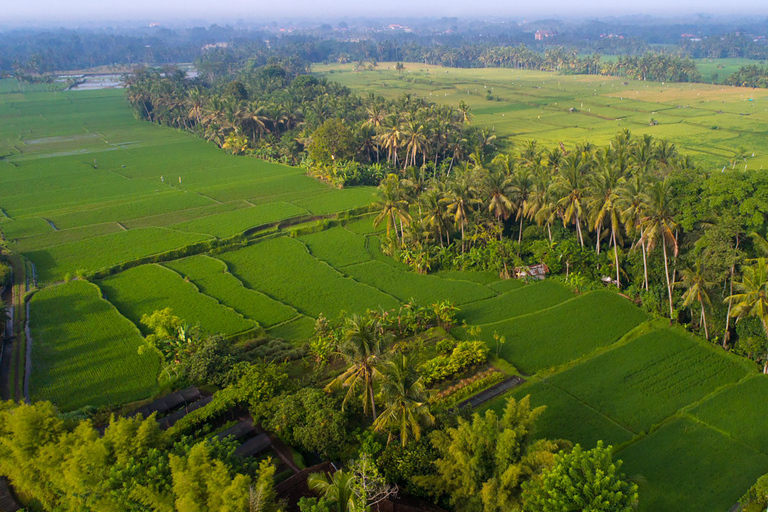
(466, 354)
(308, 419)
(6, 275)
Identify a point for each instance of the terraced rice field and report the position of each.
(84, 352)
(148, 288)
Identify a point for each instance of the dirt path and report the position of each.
(6, 348)
(492, 392)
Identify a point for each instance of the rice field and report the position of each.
(562, 333)
(84, 352)
(148, 288)
(521, 300)
(211, 277)
(704, 120)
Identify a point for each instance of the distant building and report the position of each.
(690, 37)
(214, 46)
(543, 34)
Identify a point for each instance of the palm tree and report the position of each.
(363, 345)
(498, 186)
(339, 490)
(435, 214)
(460, 201)
(405, 398)
(569, 186)
(659, 224)
(633, 203)
(393, 205)
(696, 284)
(753, 297)
(522, 186)
(604, 192)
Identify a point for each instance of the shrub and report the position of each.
(466, 354)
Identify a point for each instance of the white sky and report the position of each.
(167, 10)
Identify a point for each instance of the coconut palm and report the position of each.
(392, 204)
(461, 199)
(604, 193)
(363, 345)
(498, 186)
(753, 297)
(696, 284)
(633, 203)
(569, 186)
(659, 225)
(338, 490)
(405, 398)
(522, 187)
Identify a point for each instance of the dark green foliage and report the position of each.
(210, 361)
(582, 480)
(332, 141)
(6, 274)
(401, 464)
(464, 355)
(309, 419)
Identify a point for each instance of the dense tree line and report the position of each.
(634, 214)
(749, 76)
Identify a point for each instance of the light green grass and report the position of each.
(298, 329)
(645, 381)
(740, 411)
(564, 332)
(338, 246)
(223, 225)
(107, 250)
(688, 466)
(212, 278)
(148, 288)
(284, 269)
(64, 236)
(520, 301)
(84, 352)
(425, 289)
(565, 417)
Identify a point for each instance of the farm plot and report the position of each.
(565, 417)
(739, 411)
(179, 216)
(520, 301)
(84, 352)
(688, 466)
(338, 246)
(34, 243)
(20, 228)
(425, 289)
(364, 225)
(103, 251)
(148, 288)
(298, 329)
(334, 201)
(564, 332)
(223, 225)
(284, 269)
(473, 276)
(648, 379)
(212, 278)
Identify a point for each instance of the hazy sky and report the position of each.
(165, 10)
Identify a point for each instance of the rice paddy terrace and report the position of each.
(86, 187)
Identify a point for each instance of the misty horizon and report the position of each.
(178, 13)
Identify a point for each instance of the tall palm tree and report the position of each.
(461, 199)
(498, 186)
(569, 186)
(435, 214)
(363, 345)
(753, 297)
(405, 398)
(659, 225)
(393, 205)
(339, 490)
(696, 283)
(633, 203)
(604, 193)
(522, 187)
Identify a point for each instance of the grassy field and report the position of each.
(517, 302)
(739, 412)
(148, 288)
(649, 379)
(78, 172)
(211, 277)
(284, 269)
(706, 121)
(84, 352)
(566, 417)
(564, 332)
(685, 465)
